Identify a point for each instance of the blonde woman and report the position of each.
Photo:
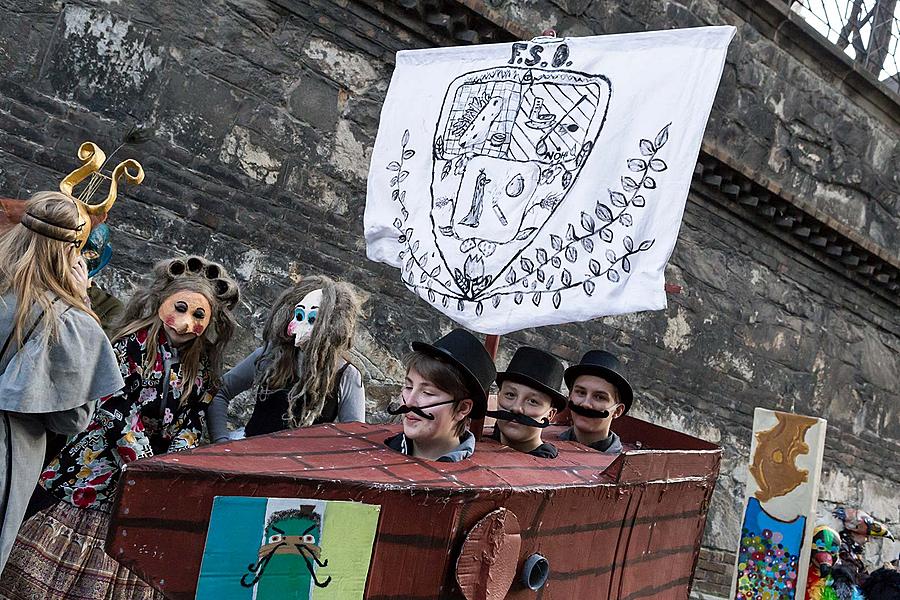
(55, 360)
(301, 373)
(169, 351)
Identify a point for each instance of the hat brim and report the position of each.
(557, 398)
(479, 397)
(626, 394)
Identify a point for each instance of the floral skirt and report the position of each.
(59, 554)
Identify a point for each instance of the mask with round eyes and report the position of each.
(305, 314)
(185, 314)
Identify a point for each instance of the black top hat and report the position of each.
(464, 351)
(536, 369)
(606, 366)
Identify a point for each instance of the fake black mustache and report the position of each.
(590, 413)
(402, 409)
(505, 415)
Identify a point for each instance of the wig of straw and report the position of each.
(310, 370)
(208, 348)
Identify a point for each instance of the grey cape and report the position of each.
(45, 386)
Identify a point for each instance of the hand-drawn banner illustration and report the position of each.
(540, 182)
(780, 511)
(287, 548)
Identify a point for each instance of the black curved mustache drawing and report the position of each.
(590, 413)
(505, 415)
(419, 411)
(302, 549)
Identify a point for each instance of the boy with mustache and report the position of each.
(528, 400)
(598, 394)
(446, 386)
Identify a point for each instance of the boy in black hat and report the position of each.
(446, 386)
(528, 400)
(598, 394)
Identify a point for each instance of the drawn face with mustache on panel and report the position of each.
(290, 534)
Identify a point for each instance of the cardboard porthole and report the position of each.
(487, 562)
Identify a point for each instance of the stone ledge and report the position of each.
(456, 21)
(826, 239)
(791, 31)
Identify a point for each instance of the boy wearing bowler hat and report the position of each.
(528, 400)
(598, 394)
(446, 386)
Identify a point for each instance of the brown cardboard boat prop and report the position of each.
(502, 524)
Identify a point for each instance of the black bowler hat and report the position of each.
(464, 351)
(536, 369)
(606, 366)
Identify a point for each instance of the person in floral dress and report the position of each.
(169, 351)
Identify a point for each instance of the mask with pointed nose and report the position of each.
(305, 315)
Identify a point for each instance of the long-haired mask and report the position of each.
(169, 280)
(310, 371)
(306, 313)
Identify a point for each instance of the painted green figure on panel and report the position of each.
(288, 557)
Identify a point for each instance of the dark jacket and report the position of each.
(466, 447)
(545, 450)
(107, 307)
(611, 445)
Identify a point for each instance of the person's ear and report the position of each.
(551, 415)
(464, 408)
(618, 411)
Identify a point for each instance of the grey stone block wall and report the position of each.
(263, 115)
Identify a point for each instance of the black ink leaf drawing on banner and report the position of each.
(507, 149)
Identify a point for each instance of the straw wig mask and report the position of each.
(192, 274)
(311, 369)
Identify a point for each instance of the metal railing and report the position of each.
(867, 30)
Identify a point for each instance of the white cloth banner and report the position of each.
(542, 182)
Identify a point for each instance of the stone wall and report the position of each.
(262, 116)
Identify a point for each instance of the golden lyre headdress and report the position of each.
(93, 158)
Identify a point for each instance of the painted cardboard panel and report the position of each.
(779, 511)
(640, 539)
(287, 548)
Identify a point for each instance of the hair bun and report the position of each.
(225, 288)
(227, 291)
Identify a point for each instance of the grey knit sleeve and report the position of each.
(352, 400)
